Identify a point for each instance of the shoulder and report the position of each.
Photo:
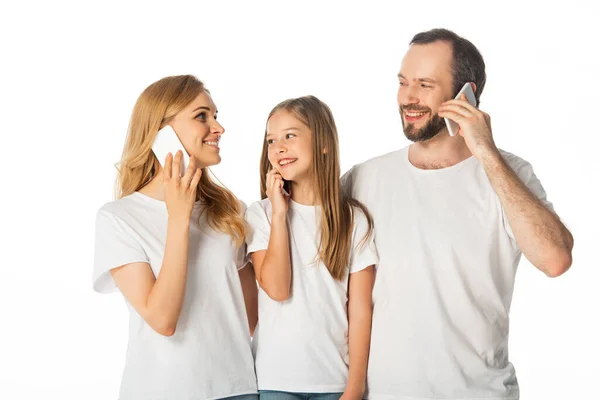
(121, 209)
(521, 167)
(367, 168)
(259, 208)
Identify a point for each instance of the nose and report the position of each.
(217, 128)
(407, 95)
(279, 148)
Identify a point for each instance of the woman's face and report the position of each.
(198, 130)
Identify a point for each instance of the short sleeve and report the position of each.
(347, 183)
(115, 245)
(364, 252)
(259, 228)
(524, 171)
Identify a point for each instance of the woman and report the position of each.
(173, 246)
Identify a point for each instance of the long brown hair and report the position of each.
(158, 104)
(337, 216)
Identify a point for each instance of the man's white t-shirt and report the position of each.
(445, 279)
(301, 344)
(210, 355)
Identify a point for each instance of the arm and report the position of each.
(542, 238)
(272, 266)
(540, 234)
(360, 311)
(158, 301)
(250, 290)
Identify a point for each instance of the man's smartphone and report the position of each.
(167, 142)
(467, 89)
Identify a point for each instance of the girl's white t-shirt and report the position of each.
(209, 356)
(301, 344)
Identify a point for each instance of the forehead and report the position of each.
(433, 60)
(202, 100)
(283, 120)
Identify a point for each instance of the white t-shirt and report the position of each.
(301, 344)
(210, 355)
(445, 279)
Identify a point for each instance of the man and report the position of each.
(452, 216)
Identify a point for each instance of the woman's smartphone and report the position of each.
(467, 89)
(167, 142)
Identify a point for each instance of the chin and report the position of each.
(208, 161)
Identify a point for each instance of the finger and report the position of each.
(454, 116)
(462, 103)
(177, 166)
(168, 167)
(196, 179)
(189, 173)
(455, 108)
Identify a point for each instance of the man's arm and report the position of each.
(540, 234)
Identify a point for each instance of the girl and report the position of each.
(171, 245)
(314, 257)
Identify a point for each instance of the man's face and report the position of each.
(425, 83)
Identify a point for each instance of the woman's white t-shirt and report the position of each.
(301, 344)
(209, 356)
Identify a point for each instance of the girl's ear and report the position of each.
(324, 150)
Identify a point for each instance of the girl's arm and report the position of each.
(250, 290)
(360, 311)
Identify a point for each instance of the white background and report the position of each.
(71, 72)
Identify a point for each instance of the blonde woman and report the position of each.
(314, 259)
(173, 246)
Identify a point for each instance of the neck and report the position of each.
(154, 188)
(441, 151)
(303, 193)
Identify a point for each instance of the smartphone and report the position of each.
(467, 89)
(286, 188)
(167, 142)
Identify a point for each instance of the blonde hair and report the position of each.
(158, 104)
(337, 216)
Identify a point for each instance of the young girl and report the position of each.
(172, 246)
(314, 257)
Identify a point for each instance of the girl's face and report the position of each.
(198, 130)
(290, 146)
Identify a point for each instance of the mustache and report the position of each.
(414, 108)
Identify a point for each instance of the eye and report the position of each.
(201, 116)
(270, 141)
(289, 135)
(402, 83)
(426, 86)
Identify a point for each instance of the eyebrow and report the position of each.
(420, 79)
(286, 129)
(203, 108)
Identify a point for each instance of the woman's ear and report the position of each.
(324, 150)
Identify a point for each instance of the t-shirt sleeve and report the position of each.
(242, 259)
(347, 182)
(115, 245)
(259, 228)
(524, 171)
(364, 252)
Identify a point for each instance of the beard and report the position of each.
(430, 130)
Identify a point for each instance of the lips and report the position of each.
(212, 142)
(413, 116)
(286, 162)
